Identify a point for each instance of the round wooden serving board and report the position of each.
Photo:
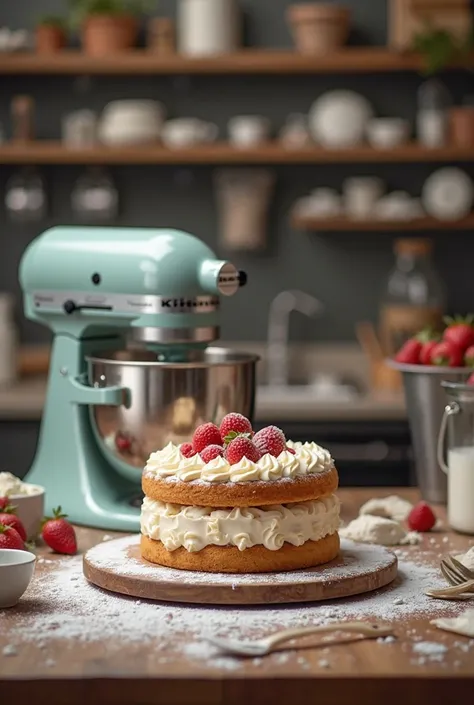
(117, 566)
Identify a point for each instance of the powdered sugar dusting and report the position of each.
(61, 605)
(355, 560)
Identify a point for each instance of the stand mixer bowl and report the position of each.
(168, 400)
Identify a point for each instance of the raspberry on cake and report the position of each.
(262, 504)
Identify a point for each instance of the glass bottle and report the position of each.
(414, 297)
(434, 102)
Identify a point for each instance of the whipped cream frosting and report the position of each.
(169, 463)
(197, 527)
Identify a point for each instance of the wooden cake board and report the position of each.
(118, 567)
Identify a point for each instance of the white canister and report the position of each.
(207, 27)
(8, 341)
(248, 130)
(361, 194)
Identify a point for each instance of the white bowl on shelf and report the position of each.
(338, 119)
(387, 132)
(131, 122)
(448, 194)
(16, 571)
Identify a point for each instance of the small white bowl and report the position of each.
(30, 511)
(386, 133)
(16, 571)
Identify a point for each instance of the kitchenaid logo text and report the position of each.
(183, 303)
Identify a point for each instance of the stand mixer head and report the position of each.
(132, 312)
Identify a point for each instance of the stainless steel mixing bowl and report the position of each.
(167, 400)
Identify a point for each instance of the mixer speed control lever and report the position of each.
(70, 307)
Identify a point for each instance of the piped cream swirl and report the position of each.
(308, 458)
(194, 528)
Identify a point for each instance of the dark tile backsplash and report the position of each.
(346, 271)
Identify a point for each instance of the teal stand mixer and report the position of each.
(133, 311)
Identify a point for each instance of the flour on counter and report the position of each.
(392, 507)
(378, 530)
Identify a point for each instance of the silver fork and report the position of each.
(261, 647)
(460, 578)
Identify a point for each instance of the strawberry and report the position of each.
(270, 440)
(421, 517)
(409, 353)
(211, 452)
(447, 354)
(187, 450)
(4, 503)
(205, 435)
(459, 331)
(242, 447)
(58, 533)
(9, 519)
(469, 356)
(428, 339)
(123, 443)
(9, 538)
(471, 379)
(234, 425)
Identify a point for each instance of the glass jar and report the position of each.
(414, 298)
(434, 102)
(458, 423)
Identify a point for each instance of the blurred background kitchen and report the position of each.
(338, 177)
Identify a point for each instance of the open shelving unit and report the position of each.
(54, 152)
(343, 224)
(247, 61)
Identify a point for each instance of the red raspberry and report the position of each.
(291, 450)
(421, 517)
(242, 447)
(187, 450)
(270, 440)
(233, 425)
(206, 435)
(211, 452)
(12, 521)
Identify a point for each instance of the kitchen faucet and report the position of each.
(278, 330)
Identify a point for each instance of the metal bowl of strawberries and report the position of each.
(426, 360)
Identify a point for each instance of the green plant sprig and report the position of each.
(439, 48)
(81, 9)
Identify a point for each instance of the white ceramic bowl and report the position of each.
(338, 119)
(16, 571)
(30, 511)
(131, 122)
(386, 133)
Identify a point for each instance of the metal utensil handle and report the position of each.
(449, 410)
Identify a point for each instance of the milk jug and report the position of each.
(458, 425)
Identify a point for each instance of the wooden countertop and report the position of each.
(89, 672)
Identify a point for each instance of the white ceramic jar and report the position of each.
(207, 27)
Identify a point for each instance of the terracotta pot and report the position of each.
(318, 29)
(49, 39)
(105, 34)
(461, 123)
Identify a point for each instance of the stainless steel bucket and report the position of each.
(426, 400)
(167, 400)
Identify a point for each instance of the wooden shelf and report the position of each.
(345, 224)
(257, 61)
(51, 152)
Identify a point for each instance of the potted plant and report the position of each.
(107, 26)
(50, 34)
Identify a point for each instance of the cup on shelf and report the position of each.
(387, 132)
(461, 126)
(131, 122)
(185, 132)
(360, 194)
(248, 130)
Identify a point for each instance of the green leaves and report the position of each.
(234, 434)
(439, 48)
(80, 9)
